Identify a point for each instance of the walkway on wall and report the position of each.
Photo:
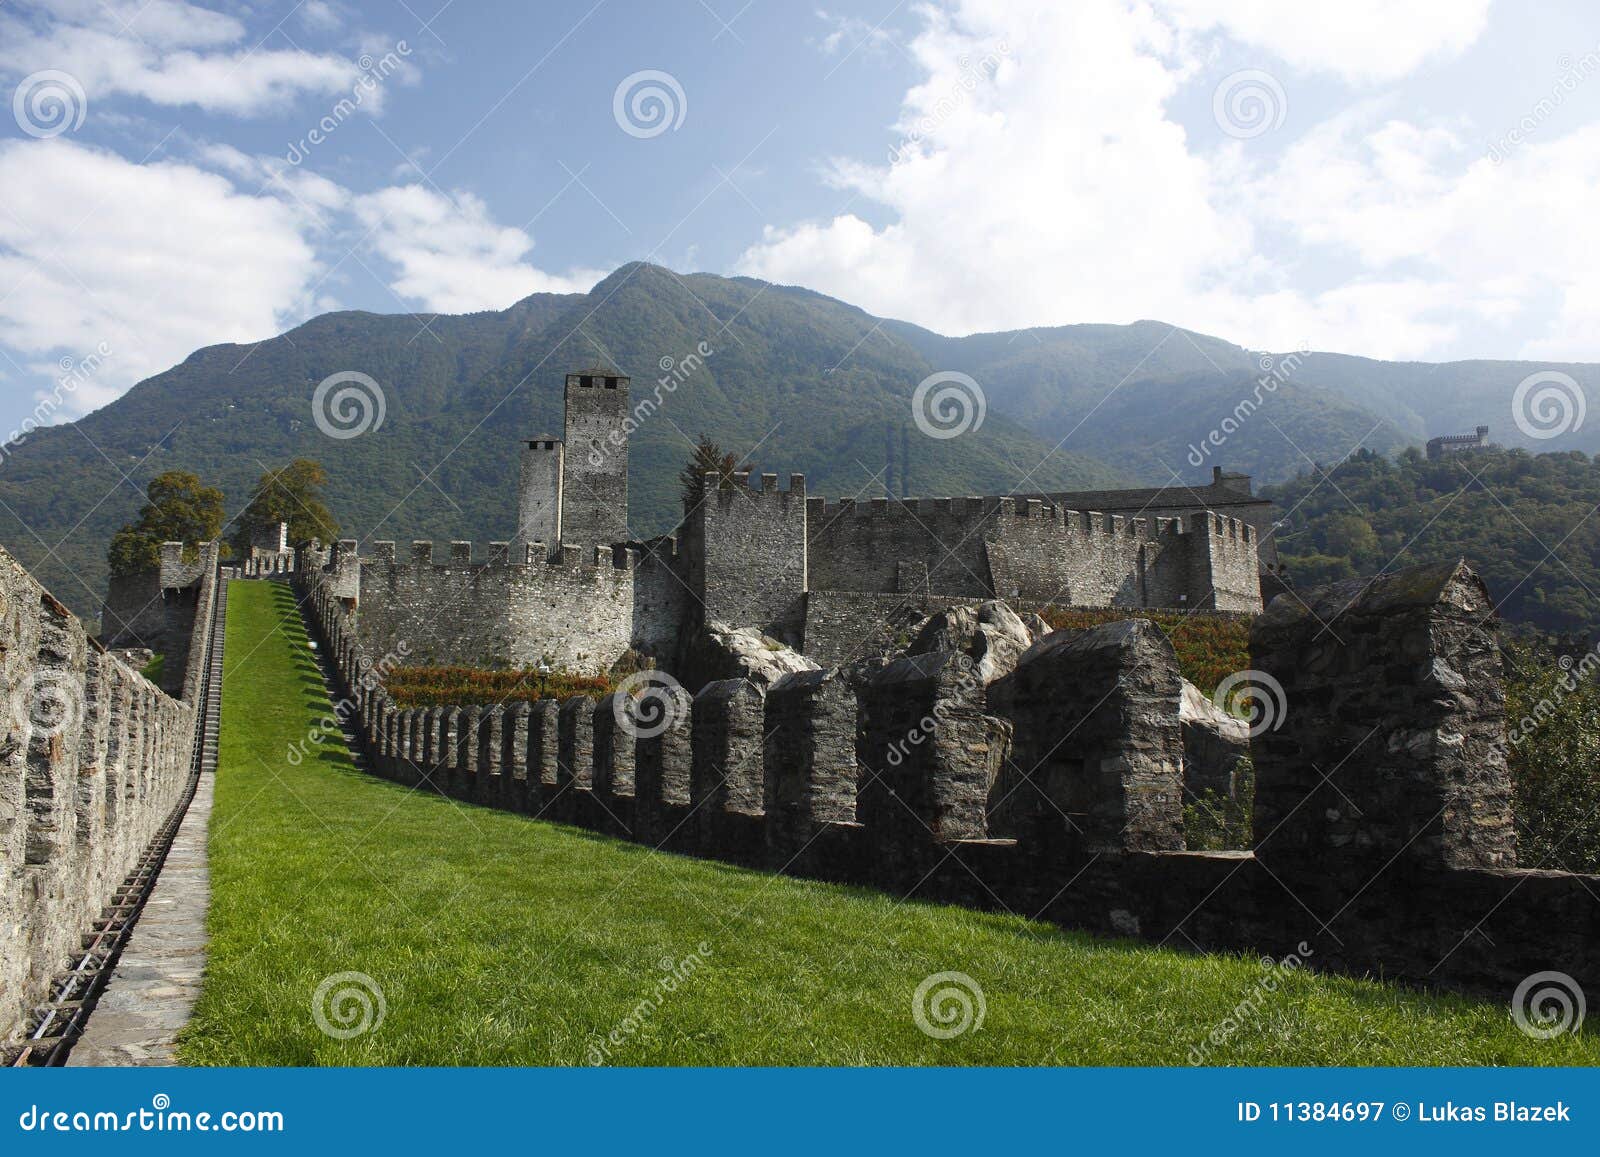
(157, 978)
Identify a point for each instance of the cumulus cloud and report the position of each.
(451, 256)
(1038, 175)
(168, 52)
(1359, 40)
(89, 241)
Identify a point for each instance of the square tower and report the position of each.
(539, 496)
(594, 471)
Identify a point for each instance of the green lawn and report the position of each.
(496, 939)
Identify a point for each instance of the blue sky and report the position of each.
(1410, 181)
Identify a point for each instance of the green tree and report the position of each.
(178, 508)
(292, 494)
(708, 458)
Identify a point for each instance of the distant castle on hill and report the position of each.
(1459, 443)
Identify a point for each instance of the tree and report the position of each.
(292, 494)
(708, 458)
(179, 508)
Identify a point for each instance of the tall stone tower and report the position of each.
(594, 470)
(539, 496)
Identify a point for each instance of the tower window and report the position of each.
(586, 381)
(611, 383)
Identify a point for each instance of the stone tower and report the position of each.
(539, 496)
(594, 470)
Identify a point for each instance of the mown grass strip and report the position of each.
(496, 939)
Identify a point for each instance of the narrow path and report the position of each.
(156, 982)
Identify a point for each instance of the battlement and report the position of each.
(982, 509)
(1087, 726)
(740, 489)
(598, 380)
(505, 554)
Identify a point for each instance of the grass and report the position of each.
(496, 939)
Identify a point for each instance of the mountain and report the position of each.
(797, 380)
(791, 379)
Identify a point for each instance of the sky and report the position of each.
(1411, 181)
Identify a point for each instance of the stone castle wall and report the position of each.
(573, 612)
(94, 758)
(1056, 791)
(1030, 549)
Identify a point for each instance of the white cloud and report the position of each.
(452, 257)
(1061, 188)
(1359, 40)
(153, 261)
(168, 52)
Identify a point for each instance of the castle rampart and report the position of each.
(93, 760)
(1048, 796)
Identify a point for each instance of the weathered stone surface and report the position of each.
(1391, 740)
(1097, 760)
(726, 772)
(929, 753)
(810, 754)
(991, 634)
(719, 652)
(575, 751)
(1213, 744)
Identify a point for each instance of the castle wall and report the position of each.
(1088, 726)
(749, 550)
(1027, 549)
(93, 758)
(574, 612)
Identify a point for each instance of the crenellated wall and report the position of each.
(573, 611)
(93, 760)
(1032, 550)
(1056, 791)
